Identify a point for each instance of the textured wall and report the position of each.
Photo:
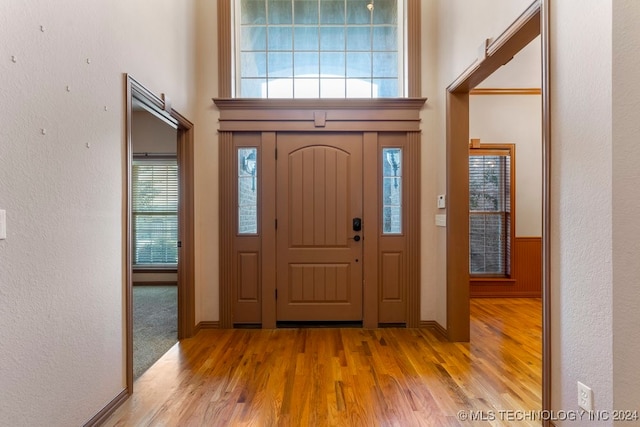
(581, 202)
(626, 205)
(61, 183)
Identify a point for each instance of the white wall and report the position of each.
(150, 134)
(429, 232)
(515, 119)
(581, 201)
(61, 266)
(626, 205)
(206, 165)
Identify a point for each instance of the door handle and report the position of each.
(356, 238)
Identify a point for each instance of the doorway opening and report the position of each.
(154, 212)
(531, 24)
(159, 214)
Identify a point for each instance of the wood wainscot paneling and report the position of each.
(526, 280)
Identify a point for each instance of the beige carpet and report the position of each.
(155, 324)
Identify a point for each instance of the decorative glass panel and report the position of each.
(247, 191)
(392, 190)
(344, 48)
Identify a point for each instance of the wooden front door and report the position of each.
(319, 257)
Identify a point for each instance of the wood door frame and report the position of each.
(371, 118)
(533, 22)
(186, 267)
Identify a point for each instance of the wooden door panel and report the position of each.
(318, 197)
(319, 282)
(319, 273)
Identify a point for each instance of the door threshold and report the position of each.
(318, 324)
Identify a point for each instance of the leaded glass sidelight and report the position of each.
(319, 48)
(247, 191)
(392, 190)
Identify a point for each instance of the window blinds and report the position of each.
(490, 214)
(155, 212)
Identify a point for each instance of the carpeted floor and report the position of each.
(155, 324)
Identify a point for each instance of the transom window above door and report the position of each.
(319, 49)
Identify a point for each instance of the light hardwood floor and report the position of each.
(347, 377)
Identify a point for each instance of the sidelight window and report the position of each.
(319, 48)
(247, 190)
(392, 190)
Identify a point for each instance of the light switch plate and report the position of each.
(3, 224)
(441, 220)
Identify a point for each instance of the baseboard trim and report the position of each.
(434, 326)
(156, 283)
(101, 417)
(207, 324)
(505, 294)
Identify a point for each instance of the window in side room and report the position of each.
(490, 212)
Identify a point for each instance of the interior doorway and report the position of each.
(174, 160)
(154, 237)
(531, 24)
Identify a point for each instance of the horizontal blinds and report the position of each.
(490, 212)
(155, 212)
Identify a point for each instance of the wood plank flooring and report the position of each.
(347, 377)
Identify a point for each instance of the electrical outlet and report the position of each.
(585, 397)
(3, 224)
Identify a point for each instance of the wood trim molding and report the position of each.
(414, 48)
(207, 324)
(413, 228)
(155, 283)
(507, 294)
(227, 234)
(436, 327)
(371, 214)
(506, 91)
(155, 270)
(186, 215)
(99, 418)
(269, 247)
(225, 55)
(457, 128)
(397, 114)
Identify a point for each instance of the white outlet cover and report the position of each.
(3, 224)
(585, 397)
